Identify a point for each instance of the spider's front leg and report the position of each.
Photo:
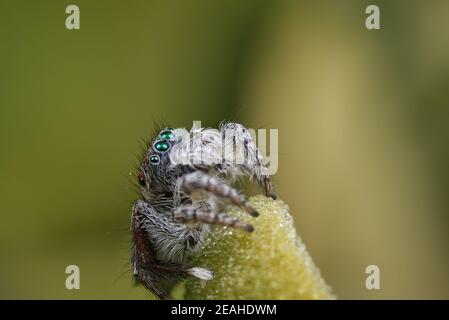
(236, 136)
(200, 181)
(190, 214)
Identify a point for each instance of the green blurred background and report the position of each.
(362, 118)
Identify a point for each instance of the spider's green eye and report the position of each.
(154, 159)
(162, 146)
(166, 135)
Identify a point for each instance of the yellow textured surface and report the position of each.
(270, 263)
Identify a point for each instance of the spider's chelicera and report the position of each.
(186, 183)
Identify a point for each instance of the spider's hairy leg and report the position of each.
(142, 257)
(199, 180)
(269, 190)
(156, 276)
(190, 214)
(237, 135)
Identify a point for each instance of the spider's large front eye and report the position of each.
(154, 159)
(167, 135)
(162, 146)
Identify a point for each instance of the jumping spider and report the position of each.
(185, 184)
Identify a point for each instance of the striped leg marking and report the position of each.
(192, 214)
(201, 181)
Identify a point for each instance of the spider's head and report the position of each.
(174, 152)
